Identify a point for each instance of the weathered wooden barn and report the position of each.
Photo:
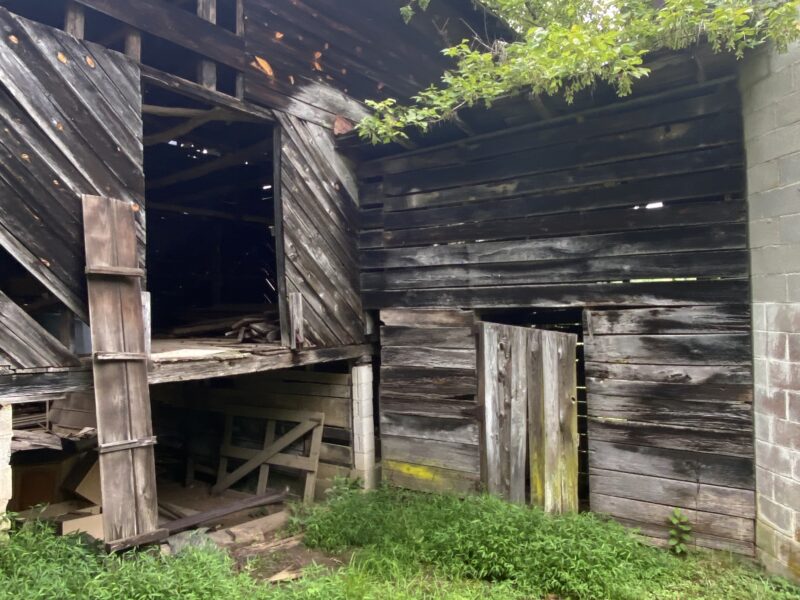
(202, 152)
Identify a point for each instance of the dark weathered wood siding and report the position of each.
(429, 415)
(635, 212)
(670, 419)
(556, 214)
(319, 223)
(71, 118)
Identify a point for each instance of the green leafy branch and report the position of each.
(565, 46)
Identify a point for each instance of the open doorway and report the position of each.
(211, 254)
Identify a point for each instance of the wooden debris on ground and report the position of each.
(213, 515)
(251, 531)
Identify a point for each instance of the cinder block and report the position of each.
(759, 122)
(760, 372)
(762, 174)
(777, 345)
(5, 486)
(770, 288)
(363, 443)
(786, 434)
(774, 201)
(763, 427)
(778, 516)
(775, 144)
(766, 91)
(774, 459)
(781, 60)
(5, 420)
(793, 406)
(759, 316)
(770, 401)
(764, 232)
(789, 166)
(783, 317)
(793, 287)
(787, 493)
(765, 483)
(784, 375)
(760, 344)
(789, 231)
(787, 110)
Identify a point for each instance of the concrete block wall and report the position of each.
(770, 85)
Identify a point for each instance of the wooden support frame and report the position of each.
(272, 453)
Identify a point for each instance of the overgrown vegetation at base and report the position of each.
(406, 546)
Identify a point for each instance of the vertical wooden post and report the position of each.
(207, 69)
(363, 422)
(133, 44)
(240, 33)
(75, 20)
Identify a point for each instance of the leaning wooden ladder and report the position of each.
(119, 359)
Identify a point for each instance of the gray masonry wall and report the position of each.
(770, 85)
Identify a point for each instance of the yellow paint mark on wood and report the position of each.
(262, 65)
(90, 62)
(416, 471)
(25, 157)
(13, 39)
(62, 57)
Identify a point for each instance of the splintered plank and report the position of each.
(122, 398)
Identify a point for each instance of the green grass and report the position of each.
(406, 546)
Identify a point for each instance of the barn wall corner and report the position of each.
(770, 84)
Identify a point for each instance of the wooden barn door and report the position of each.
(70, 113)
(527, 386)
(316, 227)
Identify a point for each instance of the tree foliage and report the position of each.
(564, 46)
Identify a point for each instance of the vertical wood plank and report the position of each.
(207, 69)
(489, 395)
(133, 44)
(280, 245)
(75, 20)
(517, 415)
(536, 425)
(557, 444)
